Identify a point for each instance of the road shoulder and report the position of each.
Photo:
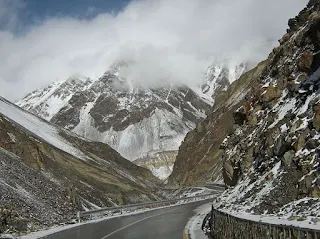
(193, 227)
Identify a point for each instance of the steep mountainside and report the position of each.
(135, 121)
(268, 140)
(140, 123)
(48, 173)
(199, 158)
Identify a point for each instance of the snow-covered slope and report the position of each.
(47, 102)
(39, 127)
(50, 173)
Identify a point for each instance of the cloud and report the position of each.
(175, 40)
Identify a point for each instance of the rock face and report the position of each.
(263, 133)
(47, 174)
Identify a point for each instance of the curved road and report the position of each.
(165, 223)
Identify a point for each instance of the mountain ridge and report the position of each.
(139, 122)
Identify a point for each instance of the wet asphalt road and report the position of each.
(166, 223)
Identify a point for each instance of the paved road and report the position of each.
(166, 223)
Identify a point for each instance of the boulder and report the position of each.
(246, 107)
(239, 118)
(271, 93)
(292, 86)
(303, 16)
(314, 16)
(248, 159)
(305, 185)
(315, 192)
(230, 173)
(252, 119)
(284, 39)
(301, 142)
(292, 23)
(301, 77)
(200, 127)
(281, 146)
(288, 157)
(257, 108)
(316, 117)
(312, 144)
(305, 61)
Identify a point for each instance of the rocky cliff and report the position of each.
(47, 174)
(263, 134)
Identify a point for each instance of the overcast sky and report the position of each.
(174, 39)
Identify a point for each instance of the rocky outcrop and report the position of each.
(305, 61)
(287, 119)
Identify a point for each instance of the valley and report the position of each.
(246, 133)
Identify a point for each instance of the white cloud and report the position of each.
(165, 38)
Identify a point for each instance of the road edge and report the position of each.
(185, 234)
(193, 229)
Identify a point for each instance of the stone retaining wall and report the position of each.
(224, 226)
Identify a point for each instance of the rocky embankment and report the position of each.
(273, 151)
(225, 226)
(259, 103)
(263, 136)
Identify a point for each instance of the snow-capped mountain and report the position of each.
(135, 121)
(219, 76)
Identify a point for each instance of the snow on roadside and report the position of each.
(303, 213)
(193, 227)
(196, 191)
(285, 217)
